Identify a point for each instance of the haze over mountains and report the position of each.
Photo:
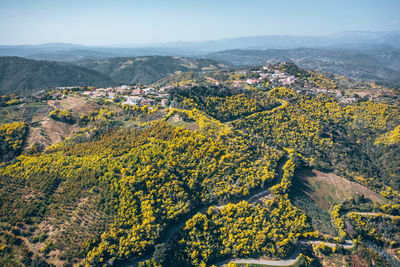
(71, 52)
(377, 64)
(359, 55)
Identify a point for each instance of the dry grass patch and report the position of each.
(327, 189)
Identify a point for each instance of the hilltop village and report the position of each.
(269, 76)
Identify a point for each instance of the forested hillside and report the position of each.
(146, 70)
(19, 75)
(212, 178)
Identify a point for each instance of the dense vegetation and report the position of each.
(135, 170)
(62, 115)
(11, 139)
(220, 102)
(27, 76)
(333, 135)
(146, 70)
(131, 188)
(241, 230)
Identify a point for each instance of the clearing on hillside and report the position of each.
(327, 189)
(316, 193)
(178, 121)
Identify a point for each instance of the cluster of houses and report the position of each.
(131, 95)
(337, 93)
(140, 95)
(276, 76)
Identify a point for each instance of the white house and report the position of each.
(133, 100)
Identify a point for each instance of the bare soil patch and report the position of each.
(327, 189)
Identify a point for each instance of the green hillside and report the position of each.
(146, 70)
(230, 171)
(20, 75)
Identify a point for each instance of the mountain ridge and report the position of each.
(147, 69)
(70, 52)
(21, 75)
(378, 64)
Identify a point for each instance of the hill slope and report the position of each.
(25, 75)
(379, 64)
(147, 69)
(134, 187)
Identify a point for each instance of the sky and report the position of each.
(101, 22)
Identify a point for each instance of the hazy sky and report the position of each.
(100, 22)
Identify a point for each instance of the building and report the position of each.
(87, 93)
(146, 101)
(163, 95)
(288, 80)
(133, 100)
(99, 94)
(111, 95)
(149, 90)
(137, 92)
(164, 102)
(251, 81)
(164, 89)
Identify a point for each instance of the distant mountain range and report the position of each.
(21, 75)
(378, 64)
(356, 39)
(359, 55)
(72, 52)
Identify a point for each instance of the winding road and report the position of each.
(376, 214)
(290, 260)
(252, 199)
(348, 244)
(171, 232)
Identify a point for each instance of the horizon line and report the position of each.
(144, 44)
